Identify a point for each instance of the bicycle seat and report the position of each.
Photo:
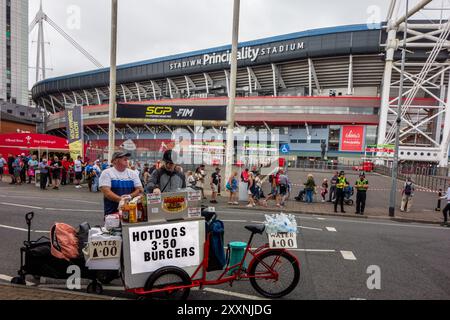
(256, 228)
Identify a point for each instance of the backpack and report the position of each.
(64, 241)
(408, 189)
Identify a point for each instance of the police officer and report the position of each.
(340, 186)
(361, 192)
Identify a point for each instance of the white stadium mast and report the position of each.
(40, 56)
(424, 127)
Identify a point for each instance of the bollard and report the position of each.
(438, 208)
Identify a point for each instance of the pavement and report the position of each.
(403, 248)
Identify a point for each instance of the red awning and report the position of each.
(33, 141)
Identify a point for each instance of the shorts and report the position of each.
(214, 187)
(78, 175)
(56, 174)
(283, 190)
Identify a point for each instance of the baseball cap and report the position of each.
(117, 155)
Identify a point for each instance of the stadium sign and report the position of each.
(245, 53)
(171, 112)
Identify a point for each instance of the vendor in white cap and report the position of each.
(119, 181)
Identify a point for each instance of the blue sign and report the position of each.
(284, 148)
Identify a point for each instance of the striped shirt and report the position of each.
(121, 183)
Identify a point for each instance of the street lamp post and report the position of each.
(392, 199)
(232, 93)
(112, 80)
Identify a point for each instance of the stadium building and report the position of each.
(322, 85)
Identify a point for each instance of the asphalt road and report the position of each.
(334, 253)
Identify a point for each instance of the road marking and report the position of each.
(75, 210)
(40, 198)
(320, 218)
(309, 228)
(348, 255)
(234, 294)
(19, 205)
(8, 278)
(22, 229)
(331, 229)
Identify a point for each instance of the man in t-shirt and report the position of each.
(65, 170)
(117, 182)
(78, 169)
(56, 167)
(215, 181)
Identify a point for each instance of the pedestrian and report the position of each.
(333, 183)
(146, 175)
(446, 210)
(2, 164)
(56, 172)
(89, 174)
(200, 180)
(310, 187)
(78, 170)
(283, 183)
(96, 171)
(407, 195)
(259, 194)
(361, 193)
(135, 169)
(32, 167)
(251, 190)
(11, 160)
(190, 180)
(23, 168)
(44, 169)
(232, 187)
(215, 181)
(105, 164)
(17, 166)
(324, 189)
(341, 184)
(64, 170)
(273, 194)
(244, 175)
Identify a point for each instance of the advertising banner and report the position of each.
(156, 246)
(352, 138)
(170, 112)
(74, 131)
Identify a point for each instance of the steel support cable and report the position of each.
(73, 42)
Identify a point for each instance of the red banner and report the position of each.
(33, 141)
(352, 138)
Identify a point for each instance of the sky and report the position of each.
(156, 28)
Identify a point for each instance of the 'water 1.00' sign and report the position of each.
(175, 244)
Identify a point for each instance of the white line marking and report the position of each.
(331, 229)
(13, 228)
(8, 278)
(348, 255)
(39, 198)
(234, 294)
(309, 228)
(19, 205)
(22, 229)
(75, 210)
(320, 218)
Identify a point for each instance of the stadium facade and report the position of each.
(322, 85)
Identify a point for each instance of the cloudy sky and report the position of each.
(155, 28)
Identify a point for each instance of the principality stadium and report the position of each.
(328, 85)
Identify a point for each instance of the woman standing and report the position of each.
(324, 189)
(310, 186)
(32, 167)
(232, 187)
(251, 190)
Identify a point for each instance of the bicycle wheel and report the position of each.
(287, 273)
(165, 277)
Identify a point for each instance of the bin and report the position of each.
(237, 251)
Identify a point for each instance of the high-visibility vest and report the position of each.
(342, 183)
(360, 184)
